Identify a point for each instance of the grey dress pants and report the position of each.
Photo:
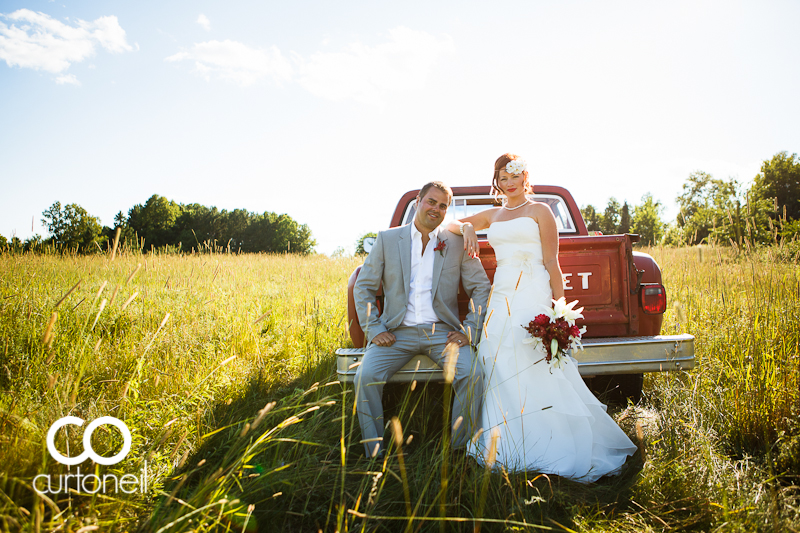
(381, 362)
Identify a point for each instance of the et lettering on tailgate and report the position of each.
(584, 280)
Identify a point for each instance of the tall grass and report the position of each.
(163, 342)
(223, 368)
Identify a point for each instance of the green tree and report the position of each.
(751, 221)
(609, 222)
(624, 219)
(270, 232)
(235, 224)
(647, 220)
(790, 229)
(33, 243)
(709, 208)
(3, 243)
(72, 227)
(164, 222)
(155, 221)
(718, 210)
(779, 179)
(296, 236)
(673, 236)
(126, 233)
(360, 243)
(590, 218)
(198, 226)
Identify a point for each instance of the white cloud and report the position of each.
(38, 41)
(369, 73)
(363, 73)
(108, 33)
(67, 78)
(204, 22)
(236, 62)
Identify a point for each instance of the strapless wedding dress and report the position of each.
(546, 418)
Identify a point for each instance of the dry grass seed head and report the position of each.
(451, 358)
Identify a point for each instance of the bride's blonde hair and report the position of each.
(499, 165)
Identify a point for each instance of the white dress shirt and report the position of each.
(420, 292)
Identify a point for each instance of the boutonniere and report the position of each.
(440, 247)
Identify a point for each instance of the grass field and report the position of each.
(222, 367)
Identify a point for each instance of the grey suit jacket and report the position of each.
(390, 262)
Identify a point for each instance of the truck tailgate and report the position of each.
(597, 272)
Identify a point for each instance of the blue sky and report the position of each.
(330, 111)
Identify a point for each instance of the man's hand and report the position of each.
(384, 339)
(458, 338)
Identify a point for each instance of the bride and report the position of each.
(535, 416)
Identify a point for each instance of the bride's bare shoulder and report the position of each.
(541, 208)
(483, 219)
(540, 212)
(491, 212)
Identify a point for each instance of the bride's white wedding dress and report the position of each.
(546, 418)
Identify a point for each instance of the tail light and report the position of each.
(653, 297)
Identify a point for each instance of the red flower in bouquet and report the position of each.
(556, 330)
(440, 247)
(541, 320)
(538, 326)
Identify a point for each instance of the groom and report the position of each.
(420, 266)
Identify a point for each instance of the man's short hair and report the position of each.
(438, 185)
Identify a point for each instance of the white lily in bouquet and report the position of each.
(555, 329)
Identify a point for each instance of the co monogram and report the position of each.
(88, 452)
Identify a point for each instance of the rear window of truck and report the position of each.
(464, 206)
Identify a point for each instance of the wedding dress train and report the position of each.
(545, 418)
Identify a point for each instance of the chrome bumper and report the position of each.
(612, 355)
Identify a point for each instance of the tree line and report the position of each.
(713, 210)
(163, 224)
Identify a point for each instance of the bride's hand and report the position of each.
(470, 240)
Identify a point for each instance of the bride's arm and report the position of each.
(548, 232)
(468, 227)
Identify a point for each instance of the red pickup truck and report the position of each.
(619, 288)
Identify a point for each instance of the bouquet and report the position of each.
(556, 330)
